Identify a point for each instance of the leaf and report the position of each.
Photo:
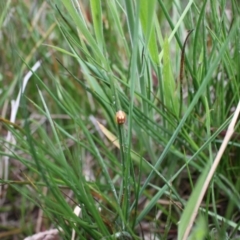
(170, 92)
(147, 16)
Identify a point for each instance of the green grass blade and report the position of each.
(97, 22)
(170, 90)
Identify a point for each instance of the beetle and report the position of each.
(120, 117)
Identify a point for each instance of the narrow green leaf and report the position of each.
(147, 17)
(170, 91)
(97, 22)
(185, 218)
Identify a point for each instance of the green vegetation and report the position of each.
(67, 67)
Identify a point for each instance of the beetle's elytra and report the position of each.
(120, 117)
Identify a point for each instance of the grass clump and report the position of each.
(68, 168)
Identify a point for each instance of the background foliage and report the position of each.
(67, 67)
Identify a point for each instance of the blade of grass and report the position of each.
(97, 22)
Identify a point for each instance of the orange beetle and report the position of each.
(120, 117)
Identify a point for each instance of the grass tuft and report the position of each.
(69, 170)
